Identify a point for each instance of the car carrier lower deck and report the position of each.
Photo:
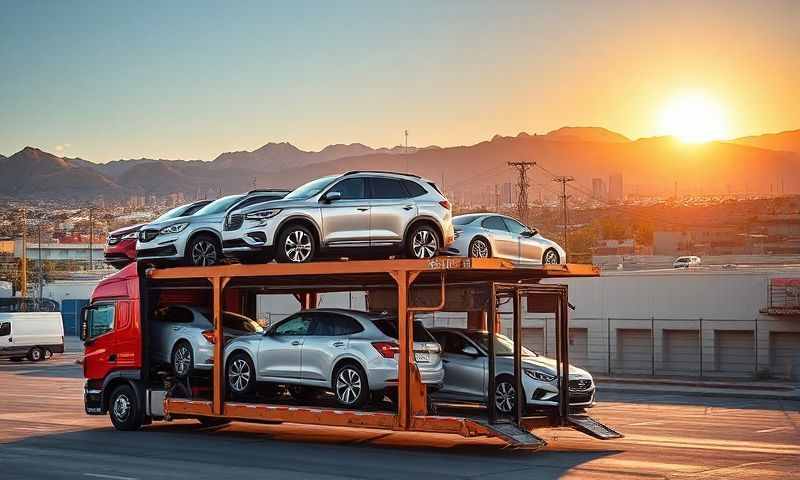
(409, 287)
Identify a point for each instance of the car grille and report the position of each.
(233, 222)
(580, 397)
(580, 385)
(147, 235)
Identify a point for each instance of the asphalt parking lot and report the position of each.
(45, 434)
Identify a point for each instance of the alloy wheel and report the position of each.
(122, 407)
(36, 354)
(424, 244)
(183, 360)
(298, 246)
(348, 386)
(504, 397)
(204, 253)
(550, 258)
(239, 375)
(479, 249)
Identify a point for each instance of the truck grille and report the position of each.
(234, 221)
(580, 385)
(147, 235)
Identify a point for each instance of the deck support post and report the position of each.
(217, 286)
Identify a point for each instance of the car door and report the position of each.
(530, 248)
(328, 339)
(392, 209)
(505, 244)
(6, 339)
(464, 375)
(280, 350)
(346, 220)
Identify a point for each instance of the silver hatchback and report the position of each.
(342, 212)
(352, 353)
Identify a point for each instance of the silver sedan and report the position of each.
(485, 235)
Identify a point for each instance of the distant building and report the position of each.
(599, 191)
(507, 193)
(615, 191)
(615, 247)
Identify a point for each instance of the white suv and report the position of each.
(337, 213)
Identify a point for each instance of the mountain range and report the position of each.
(649, 166)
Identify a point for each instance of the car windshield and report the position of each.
(175, 212)
(465, 219)
(389, 328)
(311, 188)
(503, 346)
(219, 205)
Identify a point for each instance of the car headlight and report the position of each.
(539, 375)
(262, 214)
(128, 236)
(178, 227)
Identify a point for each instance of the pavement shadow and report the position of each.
(663, 398)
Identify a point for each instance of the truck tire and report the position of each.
(35, 354)
(124, 409)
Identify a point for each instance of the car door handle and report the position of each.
(338, 344)
(362, 209)
(408, 207)
(297, 342)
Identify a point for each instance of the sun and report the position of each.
(693, 118)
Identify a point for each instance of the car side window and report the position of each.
(253, 200)
(173, 315)
(193, 209)
(331, 324)
(350, 188)
(514, 226)
(494, 223)
(242, 323)
(452, 343)
(414, 189)
(385, 188)
(299, 325)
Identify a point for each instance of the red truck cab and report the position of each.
(111, 329)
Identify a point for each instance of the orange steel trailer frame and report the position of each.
(306, 281)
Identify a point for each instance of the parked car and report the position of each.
(183, 336)
(196, 239)
(349, 352)
(465, 357)
(401, 212)
(32, 335)
(484, 235)
(120, 248)
(687, 261)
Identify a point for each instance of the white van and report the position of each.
(35, 335)
(686, 261)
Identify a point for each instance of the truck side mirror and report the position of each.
(84, 330)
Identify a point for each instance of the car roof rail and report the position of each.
(269, 190)
(353, 172)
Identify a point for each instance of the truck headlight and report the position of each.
(262, 214)
(539, 375)
(178, 227)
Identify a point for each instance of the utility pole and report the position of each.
(91, 234)
(522, 187)
(563, 181)
(23, 269)
(41, 268)
(405, 132)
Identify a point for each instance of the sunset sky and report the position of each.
(111, 80)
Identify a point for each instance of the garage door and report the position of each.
(681, 352)
(634, 355)
(579, 347)
(784, 350)
(533, 338)
(734, 353)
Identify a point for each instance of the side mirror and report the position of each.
(84, 331)
(529, 233)
(470, 350)
(332, 196)
(5, 329)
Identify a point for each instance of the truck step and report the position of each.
(590, 426)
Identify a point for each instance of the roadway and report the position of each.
(45, 434)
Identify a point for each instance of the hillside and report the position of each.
(788, 141)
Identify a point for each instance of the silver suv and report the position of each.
(195, 239)
(401, 212)
(351, 353)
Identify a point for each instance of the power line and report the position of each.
(563, 180)
(522, 188)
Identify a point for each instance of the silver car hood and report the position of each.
(282, 204)
(191, 219)
(545, 364)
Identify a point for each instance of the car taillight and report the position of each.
(445, 204)
(386, 349)
(209, 336)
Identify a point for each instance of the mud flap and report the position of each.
(590, 426)
(516, 436)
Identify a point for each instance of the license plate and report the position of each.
(422, 357)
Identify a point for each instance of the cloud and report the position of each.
(62, 146)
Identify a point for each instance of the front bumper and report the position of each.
(92, 399)
(251, 237)
(545, 394)
(166, 247)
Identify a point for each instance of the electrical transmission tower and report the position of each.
(522, 189)
(563, 181)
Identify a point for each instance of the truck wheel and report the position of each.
(240, 375)
(182, 359)
(124, 409)
(35, 354)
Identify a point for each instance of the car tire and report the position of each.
(480, 248)
(296, 244)
(240, 375)
(35, 354)
(124, 409)
(182, 359)
(550, 257)
(350, 386)
(202, 251)
(505, 396)
(422, 242)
